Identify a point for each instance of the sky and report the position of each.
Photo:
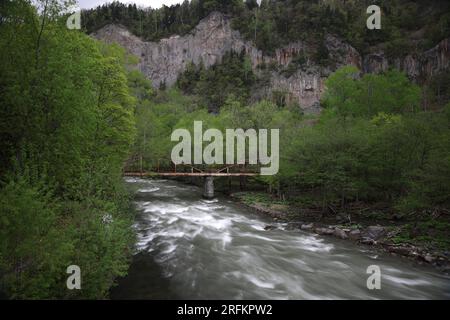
(87, 4)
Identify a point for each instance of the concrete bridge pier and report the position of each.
(208, 189)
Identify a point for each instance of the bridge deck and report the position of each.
(189, 174)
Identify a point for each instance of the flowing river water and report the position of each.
(190, 248)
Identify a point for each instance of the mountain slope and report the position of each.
(297, 71)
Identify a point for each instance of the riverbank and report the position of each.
(424, 241)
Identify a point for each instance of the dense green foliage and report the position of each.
(234, 75)
(66, 126)
(170, 109)
(373, 144)
(370, 95)
(154, 24)
(277, 22)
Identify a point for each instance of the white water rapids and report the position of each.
(190, 248)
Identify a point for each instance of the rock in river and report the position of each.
(374, 232)
(339, 233)
(324, 231)
(307, 226)
(355, 234)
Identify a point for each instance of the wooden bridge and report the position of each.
(208, 175)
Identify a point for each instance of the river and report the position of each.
(191, 248)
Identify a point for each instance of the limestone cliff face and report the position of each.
(418, 66)
(306, 85)
(213, 37)
(164, 60)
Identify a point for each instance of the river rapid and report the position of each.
(191, 248)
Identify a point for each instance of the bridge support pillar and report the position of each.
(208, 190)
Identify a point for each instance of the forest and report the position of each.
(279, 22)
(75, 112)
(66, 125)
(357, 150)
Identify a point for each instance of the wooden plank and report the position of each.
(189, 174)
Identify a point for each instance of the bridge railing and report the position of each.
(189, 168)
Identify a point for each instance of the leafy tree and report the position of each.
(342, 87)
(67, 124)
(350, 95)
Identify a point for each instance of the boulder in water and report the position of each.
(374, 232)
(368, 241)
(294, 225)
(340, 233)
(307, 226)
(324, 231)
(355, 234)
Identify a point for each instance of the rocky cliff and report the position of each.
(163, 61)
(418, 66)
